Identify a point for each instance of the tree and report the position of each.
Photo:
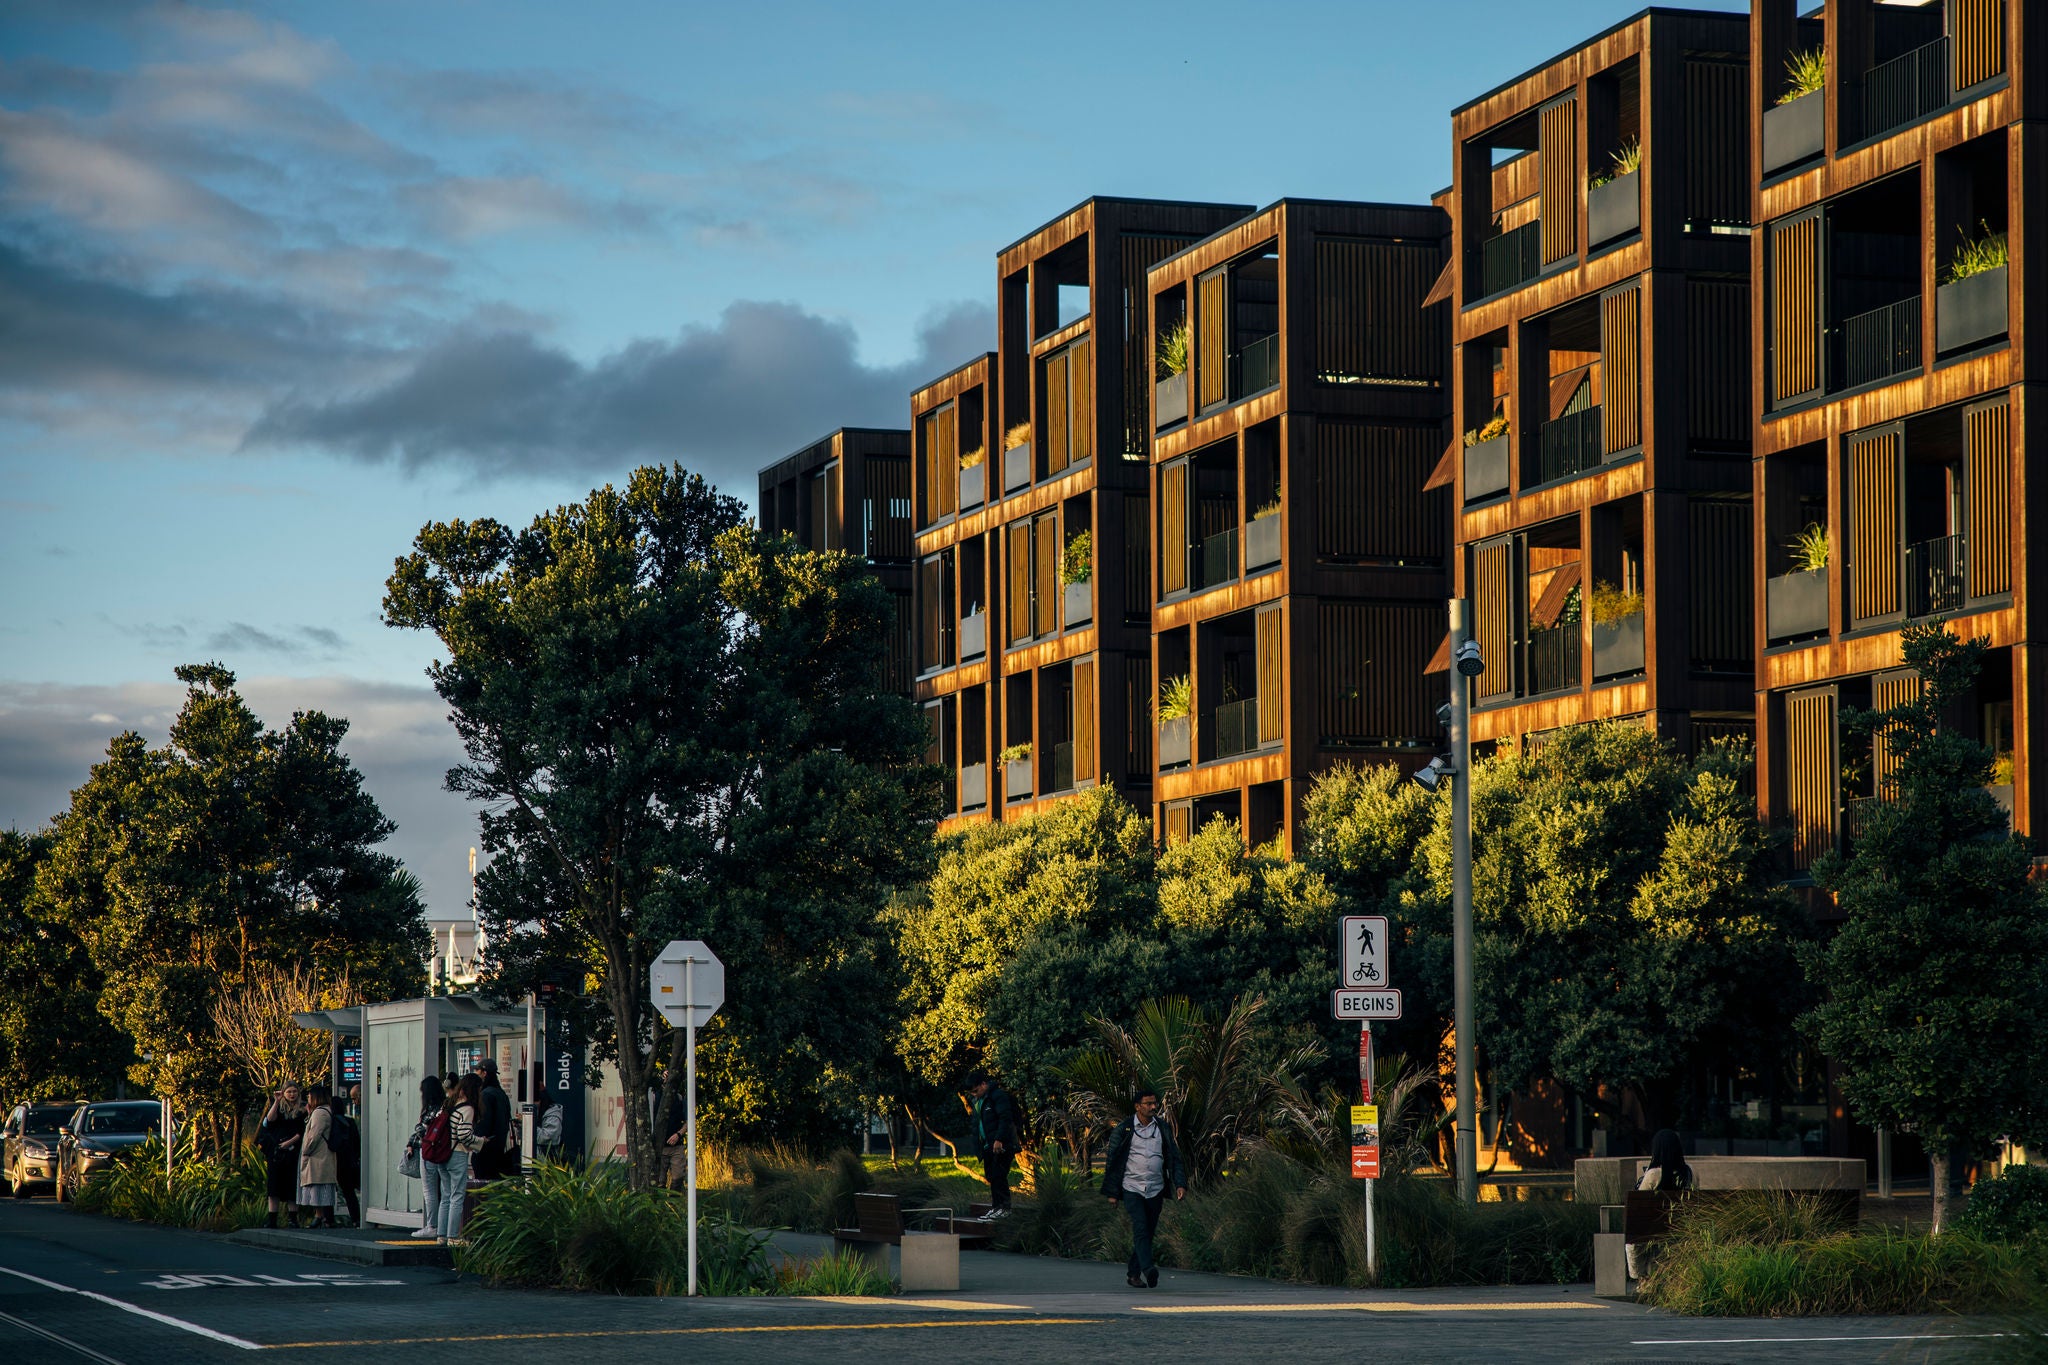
(253, 1020)
(54, 1042)
(1936, 984)
(677, 728)
(186, 869)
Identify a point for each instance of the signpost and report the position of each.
(1363, 994)
(686, 982)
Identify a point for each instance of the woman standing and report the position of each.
(431, 1096)
(284, 1123)
(319, 1168)
(466, 1103)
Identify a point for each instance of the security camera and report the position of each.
(1470, 662)
(1439, 768)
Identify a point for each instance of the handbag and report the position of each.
(409, 1162)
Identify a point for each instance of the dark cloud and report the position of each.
(724, 399)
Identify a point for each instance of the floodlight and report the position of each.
(1469, 660)
(1439, 768)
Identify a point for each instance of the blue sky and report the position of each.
(281, 283)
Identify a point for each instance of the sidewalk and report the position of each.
(999, 1280)
(360, 1246)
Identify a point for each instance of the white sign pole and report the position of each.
(1372, 1246)
(690, 1104)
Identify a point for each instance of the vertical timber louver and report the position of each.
(1045, 573)
(933, 467)
(1138, 720)
(1987, 533)
(1716, 141)
(1272, 693)
(1086, 765)
(885, 514)
(1977, 40)
(1874, 544)
(1722, 609)
(1558, 155)
(1493, 575)
(1180, 822)
(1080, 402)
(1212, 333)
(1017, 602)
(1621, 364)
(1136, 253)
(1810, 774)
(1886, 691)
(1795, 339)
(931, 596)
(835, 519)
(945, 461)
(1173, 528)
(1056, 414)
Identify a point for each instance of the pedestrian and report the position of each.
(432, 1143)
(1667, 1174)
(995, 1133)
(284, 1123)
(676, 1152)
(494, 1159)
(464, 1143)
(547, 1128)
(1144, 1162)
(347, 1141)
(319, 1169)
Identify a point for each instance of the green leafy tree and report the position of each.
(183, 868)
(676, 728)
(1936, 985)
(54, 1042)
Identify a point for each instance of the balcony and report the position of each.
(1614, 210)
(1569, 446)
(1554, 659)
(974, 635)
(1258, 367)
(1970, 312)
(973, 486)
(1511, 259)
(1262, 541)
(1237, 727)
(973, 786)
(1063, 766)
(1486, 468)
(1017, 467)
(1170, 401)
(1936, 578)
(1908, 87)
(1176, 747)
(1881, 343)
(1795, 131)
(1216, 562)
(1796, 604)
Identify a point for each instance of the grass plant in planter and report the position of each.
(974, 477)
(1016, 761)
(1617, 631)
(1970, 301)
(1614, 208)
(1077, 567)
(1017, 457)
(1795, 128)
(1170, 378)
(1486, 459)
(1176, 721)
(1796, 603)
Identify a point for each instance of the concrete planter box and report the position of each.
(1017, 468)
(974, 635)
(1262, 541)
(1170, 401)
(1614, 209)
(1176, 745)
(1618, 647)
(973, 786)
(1796, 604)
(1078, 603)
(1017, 780)
(973, 485)
(1794, 132)
(1486, 467)
(1970, 312)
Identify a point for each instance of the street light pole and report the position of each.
(1467, 1128)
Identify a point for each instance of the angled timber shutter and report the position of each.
(1977, 40)
(1081, 402)
(1045, 575)
(1493, 576)
(1056, 414)
(1087, 766)
(1272, 691)
(1558, 154)
(1810, 774)
(1987, 486)
(1886, 691)
(1173, 528)
(1795, 337)
(1017, 602)
(1212, 333)
(1874, 525)
(1621, 349)
(946, 455)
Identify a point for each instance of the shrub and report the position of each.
(2010, 1207)
(1268, 508)
(1625, 160)
(1976, 257)
(732, 1258)
(1176, 698)
(1805, 72)
(1065, 1216)
(1014, 753)
(1810, 548)
(843, 1273)
(1076, 565)
(1173, 351)
(790, 1190)
(1016, 436)
(1611, 604)
(1701, 1274)
(568, 1227)
(1497, 427)
(209, 1194)
(970, 458)
(1428, 1237)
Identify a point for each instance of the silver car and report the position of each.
(98, 1133)
(28, 1145)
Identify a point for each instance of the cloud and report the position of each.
(469, 207)
(241, 637)
(724, 399)
(399, 737)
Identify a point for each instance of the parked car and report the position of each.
(28, 1144)
(98, 1133)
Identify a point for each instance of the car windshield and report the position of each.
(138, 1119)
(44, 1120)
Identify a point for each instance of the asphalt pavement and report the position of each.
(75, 1287)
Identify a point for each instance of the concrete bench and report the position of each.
(929, 1258)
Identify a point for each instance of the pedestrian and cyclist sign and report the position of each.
(1363, 952)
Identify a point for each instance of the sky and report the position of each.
(282, 283)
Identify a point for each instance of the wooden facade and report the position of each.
(852, 491)
(1299, 559)
(1599, 282)
(1891, 403)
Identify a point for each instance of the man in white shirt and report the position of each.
(1144, 1162)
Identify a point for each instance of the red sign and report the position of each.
(1365, 1063)
(1365, 1163)
(1365, 1141)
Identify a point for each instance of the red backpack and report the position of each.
(438, 1144)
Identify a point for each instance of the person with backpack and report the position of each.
(319, 1168)
(435, 1139)
(347, 1141)
(995, 1133)
(1143, 1164)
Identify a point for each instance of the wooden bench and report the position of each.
(881, 1220)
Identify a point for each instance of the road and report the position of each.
(79, 1288)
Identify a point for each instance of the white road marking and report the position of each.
(66, 1342)
(164, 1318)
(1763, 1341)
(345, 1280)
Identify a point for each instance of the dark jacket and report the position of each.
(1175, 1170)
(995, 1120)
(494, 1116)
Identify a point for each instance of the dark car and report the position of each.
(97, 1134)
(28, 1144)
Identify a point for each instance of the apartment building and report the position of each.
(1298, 409)
(1037, 551)
(851, 491)
(1599, 279)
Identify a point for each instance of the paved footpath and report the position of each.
(78, 1288)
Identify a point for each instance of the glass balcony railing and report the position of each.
(1935, 576)
(1569, 446)
(1509, 259)
(1218, 558)
(1554, 659)
(1881, 343)
(1258, 366)
(1063, 766)
(1237, 727)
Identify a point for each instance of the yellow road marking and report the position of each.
(679, 1332)
(875, 1301)
(1540, 1306)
